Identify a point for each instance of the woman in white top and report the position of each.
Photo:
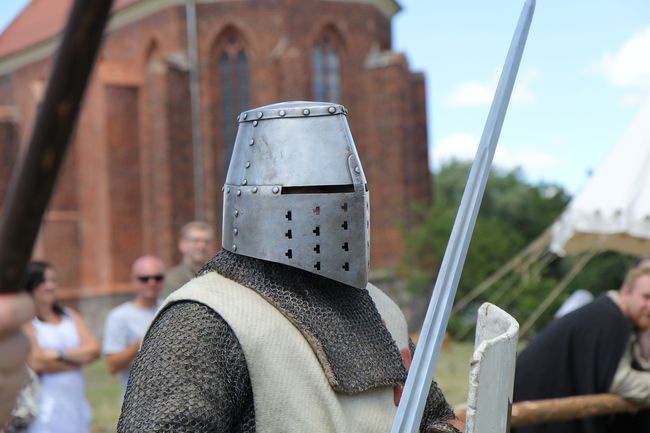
(61, 344)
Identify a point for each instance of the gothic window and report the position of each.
(233, 79)
(326, 70)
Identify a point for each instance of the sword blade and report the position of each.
(418, 382)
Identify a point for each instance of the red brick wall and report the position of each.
(9, 152)
(128, 184)
(124, 165)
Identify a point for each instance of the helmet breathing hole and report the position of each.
(346, 266)
(288, 215)
(345, 247)
(344, 206)
(289, 254)
(317, 266)
(316, 231)
(317, 248)
(344, 225)
(288, 234)
(316, 210)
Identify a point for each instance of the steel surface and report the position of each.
(295, 192)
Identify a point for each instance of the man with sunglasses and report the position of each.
(127, 323)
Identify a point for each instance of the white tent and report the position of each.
(612, 212)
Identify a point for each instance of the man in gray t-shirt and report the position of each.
(126, 324)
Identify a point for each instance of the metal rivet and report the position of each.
(235, 231)
(254, 189)
(234, 247)
(228, 190)
(357, 169)
(254, 122)
(223, 188)
(282, 113)
(238, 192)
(259, 114)
(238, 118)
(306, 111)
(236, 213)
(276, 190)
(250, 143)
(248, 164)
(332, 110)
(244, 182)
(244, 116)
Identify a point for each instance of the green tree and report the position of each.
(512, 214)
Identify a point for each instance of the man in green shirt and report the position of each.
(195, 243)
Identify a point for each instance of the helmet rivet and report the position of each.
(244, 182)
(254, 189)
(244, 116)
(332, 110)
(275, 190)
(248, 164)
(282, 113)
(250, 143)
(238, 192)
(306, 111)
(238, 118)
(223, 188)
(255, 122)
(357, 169)
(259, 114)
(235, 231)
(234, 247)
(236, 213)
(228, 190)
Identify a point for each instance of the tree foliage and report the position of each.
(513, 213)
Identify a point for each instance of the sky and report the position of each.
(584, 73)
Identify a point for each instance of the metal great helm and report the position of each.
(295, 192)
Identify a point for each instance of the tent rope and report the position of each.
(535, 248)
(557, 290)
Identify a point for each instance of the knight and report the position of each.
(281, 332)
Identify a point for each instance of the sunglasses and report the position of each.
(144, 278)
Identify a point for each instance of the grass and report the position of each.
(103, 390)
(452, 371)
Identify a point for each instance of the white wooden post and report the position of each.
(492, 372)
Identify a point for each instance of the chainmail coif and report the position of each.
(340, 322)
(191, 373)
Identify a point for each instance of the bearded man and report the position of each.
(594, 349)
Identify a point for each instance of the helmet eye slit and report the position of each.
(317, 189)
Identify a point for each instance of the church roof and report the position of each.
(42, 20)
(38, 21)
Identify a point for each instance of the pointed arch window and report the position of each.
(326, 69)
(234, 93)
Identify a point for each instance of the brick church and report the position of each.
(129, 182)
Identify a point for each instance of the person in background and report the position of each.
(127, 323)
(592, 350)
(15, 310)
(61, 343)
(195, 243)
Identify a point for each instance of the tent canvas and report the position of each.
(612, 212)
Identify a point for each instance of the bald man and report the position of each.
(127, 323)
